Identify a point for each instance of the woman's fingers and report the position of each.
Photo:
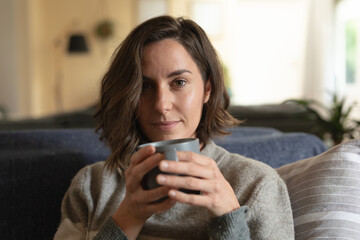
(187, 182)
(187, 156)
(151, 196)
(161, 206)
(142, 154)
(197, 172)
(191, 164)
(192, 199)
(139, 167)
(190, 169)
(216, 195)
(139, 204)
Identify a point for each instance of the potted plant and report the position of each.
(2, 113)
(333, 120)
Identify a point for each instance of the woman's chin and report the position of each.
(157, 136)
(158, 139)
(166, 138)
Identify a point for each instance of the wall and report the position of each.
(34, 53)
(10, 84)
(76, 77)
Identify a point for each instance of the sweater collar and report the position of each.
(211, 150)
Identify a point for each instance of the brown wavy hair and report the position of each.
(121, 87)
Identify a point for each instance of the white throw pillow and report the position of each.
(325, 193)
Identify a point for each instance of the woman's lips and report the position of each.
(165, 126)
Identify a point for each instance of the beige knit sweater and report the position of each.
(96, 193)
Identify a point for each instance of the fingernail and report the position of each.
(172, 193)
(164, 165)
(158, 157)
(161, 179)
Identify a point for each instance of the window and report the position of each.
(351, 39)
(265, 50)
(348, 49)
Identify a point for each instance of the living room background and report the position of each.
(272, 49)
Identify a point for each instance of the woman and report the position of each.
(165, 82)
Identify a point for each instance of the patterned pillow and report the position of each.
(325, 193)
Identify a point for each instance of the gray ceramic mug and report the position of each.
(169, 149)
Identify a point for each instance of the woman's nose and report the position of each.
(163, 100)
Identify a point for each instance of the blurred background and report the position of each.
(272, 50)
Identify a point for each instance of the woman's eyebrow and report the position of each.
(146, 78)
(172, 74)
(178, 72)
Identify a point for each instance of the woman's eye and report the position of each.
(179, 83)
(145, 86)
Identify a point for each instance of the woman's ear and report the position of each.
(207, 91)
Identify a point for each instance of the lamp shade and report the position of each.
(77, 44)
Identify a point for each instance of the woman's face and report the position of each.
(173, 92)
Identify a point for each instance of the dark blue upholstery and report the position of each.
(36, 167)
(271, 146)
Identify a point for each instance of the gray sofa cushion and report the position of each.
(325, 193)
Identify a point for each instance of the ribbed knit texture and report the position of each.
(230, 226)
(110, 231)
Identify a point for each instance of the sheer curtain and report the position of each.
(279, 49)
(347, 13)
(319, 68)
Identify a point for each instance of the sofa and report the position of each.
(36, 168)
(284, 117)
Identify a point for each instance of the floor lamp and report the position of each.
(76, 45)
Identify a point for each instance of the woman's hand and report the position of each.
(203, 174)
(138, 204)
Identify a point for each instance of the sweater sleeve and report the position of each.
(270, 215)
(79, 206)
(232, 225)
(110, 231)
(75, 211)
